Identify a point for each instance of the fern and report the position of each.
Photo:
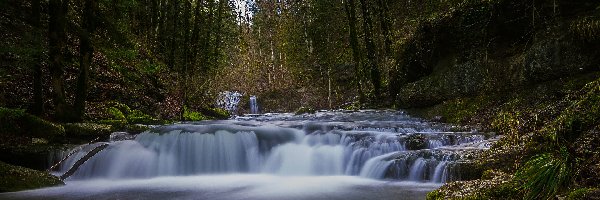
(544, 175)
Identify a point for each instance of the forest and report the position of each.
(75, 71)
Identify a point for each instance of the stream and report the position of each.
(367, 154)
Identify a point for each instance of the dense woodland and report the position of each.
(528, 70)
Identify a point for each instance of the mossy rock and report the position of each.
(18, 123)
(33, 155)
(216, 113)
(15, 178)
(305, 110)
(88, 130)
(416, 142)
(499, 187)
(135, 128)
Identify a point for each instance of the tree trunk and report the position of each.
(86, 53)
(205, 58)
(351, 14)
(184, 69)
(56, 40)
(219, 22)
(195, 35)
(371, 60)
(38, 96)
(393, 84)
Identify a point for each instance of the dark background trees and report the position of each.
(168, 56)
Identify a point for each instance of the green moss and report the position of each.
(115, 113)
(15, 178)
(435, 195)
(18, 123)
(138, 117)
(500, 186)
(215, 113)
(88, 130)
(219, 113)
(121, 114)
(193, 116)
(135, 128)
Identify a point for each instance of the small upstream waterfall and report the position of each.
(253, 105)
(283, 144)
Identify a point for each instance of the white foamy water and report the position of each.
(327, 155)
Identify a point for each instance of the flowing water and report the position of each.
(327, 155)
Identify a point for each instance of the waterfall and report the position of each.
(376, 167)
(229, 101)
(417, 170)
(438, 175)
(253, 105)
(290, 148)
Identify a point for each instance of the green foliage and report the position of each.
(217, 113)
(121, 114)
(115, 113)
(435, 195)
(19, 123)
(138, 117)
(15, 178)
(546, 175)
(193, 116)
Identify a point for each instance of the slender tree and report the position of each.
(38, 96)
(57, 10)
(86, 52)
(351, 15)
(370, 45)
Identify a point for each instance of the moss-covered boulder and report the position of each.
(15, 178)
(416, 142)
(17, 123)
(497, 185)
(88, 130)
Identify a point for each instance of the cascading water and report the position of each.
(346, 155)
(253, 105)
(339, 144)
(229, 100)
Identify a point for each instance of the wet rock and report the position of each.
(119, 136)
(416, 142)
(15, 178)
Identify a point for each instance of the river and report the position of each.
(366, 154)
